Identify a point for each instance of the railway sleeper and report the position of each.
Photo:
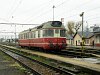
(70, 69)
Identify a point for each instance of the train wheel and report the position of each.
(21, 46)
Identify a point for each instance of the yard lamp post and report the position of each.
(81, 15)
(15, 36)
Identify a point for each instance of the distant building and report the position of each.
(69, 39)
(93, 28)
(97, 37)
(88, 38)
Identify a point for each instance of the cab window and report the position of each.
(62, 33)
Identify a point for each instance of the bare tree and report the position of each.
(70, 26)
(77, 26)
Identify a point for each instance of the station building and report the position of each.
(88, 38)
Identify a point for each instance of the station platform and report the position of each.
(90, 47)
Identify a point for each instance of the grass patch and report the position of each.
(14, 64)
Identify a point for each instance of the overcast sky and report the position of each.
(39, 11)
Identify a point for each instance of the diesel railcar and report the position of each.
(48, 36)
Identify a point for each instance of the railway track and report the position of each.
(43, 69)
(53, 65)
(76, 52)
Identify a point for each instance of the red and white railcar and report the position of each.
(49, 36)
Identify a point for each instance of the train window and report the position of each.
(29, 34)
(34, 34)
(56, 31)
(24, 36)
(19, 36)
(48, 33)
(62, 33)
(44, 33)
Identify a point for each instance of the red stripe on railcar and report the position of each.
(43, 42)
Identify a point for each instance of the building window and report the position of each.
(69, 40)
(99, 38)
(78, 41)
(87, 41)
(96, 39)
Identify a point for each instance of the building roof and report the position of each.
(86, 34)
(68, 36)
(97, 30)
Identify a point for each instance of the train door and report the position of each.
(29, 40)
(57, 35)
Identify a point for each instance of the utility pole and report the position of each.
(53, 12)
(15, 35)
(81, 15)
(15, 32)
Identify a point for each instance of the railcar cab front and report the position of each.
(54, 34)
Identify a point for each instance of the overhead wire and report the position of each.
(87, 11)
(93, 18)
(14, 10)
(65, 2)
(35, 8)
(62, 3)
(38, 11)
(50, 9)
(77, 7)
(4, 19)
(17, 24)
(12, 6)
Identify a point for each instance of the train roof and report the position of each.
(46, 25)
(51, 24)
